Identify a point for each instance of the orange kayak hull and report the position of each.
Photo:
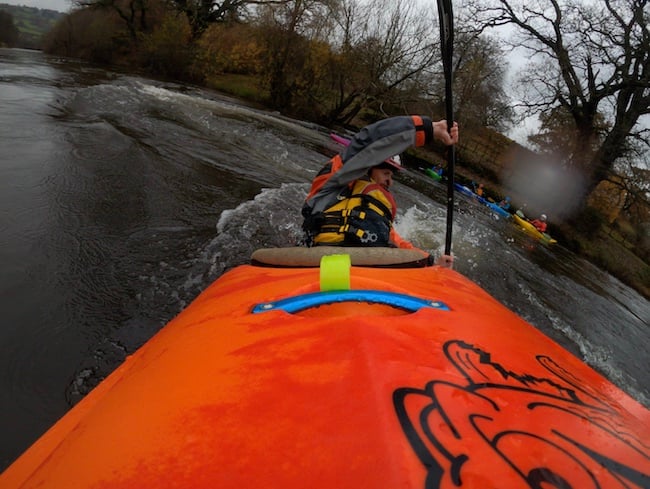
(345, 394)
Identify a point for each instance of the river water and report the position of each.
(121, 198)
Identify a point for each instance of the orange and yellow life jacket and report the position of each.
(325, 173)
(363, 216)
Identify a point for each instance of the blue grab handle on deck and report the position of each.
(305, 301)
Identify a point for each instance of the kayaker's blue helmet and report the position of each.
(507, 199)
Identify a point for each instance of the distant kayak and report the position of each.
(433, 174)
(464, 190)
(469, 192)
(532, 230)
(340, 139)
(496, 208)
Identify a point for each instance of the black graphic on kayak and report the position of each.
(540, 431)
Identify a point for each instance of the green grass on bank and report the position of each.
(612, 255)
(241, 86)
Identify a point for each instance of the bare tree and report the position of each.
(389, 55)
(385, 48)
(479, 83)
(592, 59)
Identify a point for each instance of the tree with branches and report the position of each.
(479, 72)
(385, 51)
(8, 30)
(134, 13)
(589, 59)
(202, 13)
(290, 34)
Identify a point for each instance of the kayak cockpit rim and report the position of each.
(300, 256)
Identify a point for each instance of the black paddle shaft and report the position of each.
(446, 18)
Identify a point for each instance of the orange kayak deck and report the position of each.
(449, 390)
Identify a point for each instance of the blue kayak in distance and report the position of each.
(496, 208)
(467, 191)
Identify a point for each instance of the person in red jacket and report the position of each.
(540, 224)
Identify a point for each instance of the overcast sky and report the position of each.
(60, 5)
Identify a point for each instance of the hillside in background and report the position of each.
(32, 24)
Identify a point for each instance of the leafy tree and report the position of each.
(229, 48)
(99, 33)
(591, 59)
(134, 13)
(559, 139)
(202, 13)
(8, 31)
(634, 180)
(167, 49)
(89, 34)
(287, 31)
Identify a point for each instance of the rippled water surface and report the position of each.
(121, 198)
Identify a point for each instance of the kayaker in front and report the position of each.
(350, 203)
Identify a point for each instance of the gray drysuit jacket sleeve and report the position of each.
(370, 147)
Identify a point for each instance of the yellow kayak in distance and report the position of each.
(533, 231)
